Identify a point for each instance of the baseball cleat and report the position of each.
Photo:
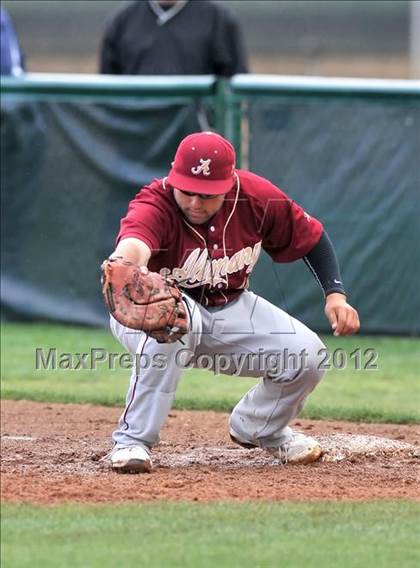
(300, 449)
(131, 459)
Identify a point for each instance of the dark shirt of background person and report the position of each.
(10, 54)
(173, 37)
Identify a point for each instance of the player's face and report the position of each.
(198, 208)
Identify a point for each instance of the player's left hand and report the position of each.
(343, 318)
(143, 300)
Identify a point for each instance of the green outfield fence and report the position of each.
(76, 148)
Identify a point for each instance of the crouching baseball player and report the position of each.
(177, 290)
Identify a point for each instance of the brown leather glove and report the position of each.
(143, 300)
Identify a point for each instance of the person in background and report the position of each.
(173, 37)
(11, 53)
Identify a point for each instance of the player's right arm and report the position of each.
(133, 250)
(145, 229)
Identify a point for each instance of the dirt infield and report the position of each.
(52, 453)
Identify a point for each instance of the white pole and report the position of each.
(415, 39)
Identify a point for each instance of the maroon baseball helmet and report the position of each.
(204, 163)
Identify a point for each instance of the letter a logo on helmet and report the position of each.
(204, 167)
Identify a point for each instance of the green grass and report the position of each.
(292, 535)
(391, 393)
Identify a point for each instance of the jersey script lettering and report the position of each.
(199, 270)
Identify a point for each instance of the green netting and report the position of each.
(73, 152)
(354, 164)
(68, 172)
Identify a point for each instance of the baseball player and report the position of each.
(202, 228)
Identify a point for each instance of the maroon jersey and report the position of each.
(213, 262)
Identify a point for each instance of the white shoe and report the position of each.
(130, 459)
(300, 449)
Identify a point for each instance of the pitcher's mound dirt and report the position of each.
(52, 453)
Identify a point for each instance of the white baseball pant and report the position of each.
(248, 337)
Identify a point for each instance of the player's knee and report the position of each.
(303, 365)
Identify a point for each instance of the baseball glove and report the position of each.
(143, 300)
